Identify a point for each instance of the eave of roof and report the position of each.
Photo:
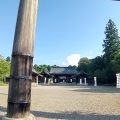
(36, 73)
(44, 73)
(82, 73)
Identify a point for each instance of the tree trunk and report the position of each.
(19, 96)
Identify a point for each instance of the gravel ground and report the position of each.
(71, 102)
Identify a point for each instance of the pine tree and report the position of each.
(111, 43)
(111, 49)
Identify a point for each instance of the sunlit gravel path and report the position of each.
(71, 102)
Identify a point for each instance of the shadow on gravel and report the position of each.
(3, 109)
(92, 89)
(3, 94)
(57, 84)
(69, 115)
(74, 116)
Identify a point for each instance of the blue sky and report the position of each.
(66, 30)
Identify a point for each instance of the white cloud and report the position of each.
(72, 60)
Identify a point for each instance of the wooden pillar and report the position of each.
(36, 80)
(85, 81)
(19, 96)
(80, 81)
(66, 78)
(44, 80)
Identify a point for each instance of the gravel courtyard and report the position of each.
(71, 102)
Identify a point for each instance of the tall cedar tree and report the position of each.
(111, 49)
(111, 43)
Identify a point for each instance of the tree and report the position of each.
(54, 66)
(48, 67)
(116, 63)
(43, 67)
(40, 68)
(72, 66)
(96, 63)
(111, 42)
(36, 67)
(8, 59)
(83, 64)
(4, 68)
(111, 50)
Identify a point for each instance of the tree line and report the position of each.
(107, 65)
(4, 67)
(104, 67)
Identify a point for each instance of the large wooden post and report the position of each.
(19, 96)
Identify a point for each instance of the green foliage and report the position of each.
(101, 75)
(54, 66)
(94, 67)
(40, 68)
(43, 67)
(73, 66)
(4, 68)
(70, 66)
(116, 63)
(96, 63)
(48, 67)
(83, 64)
(111, 51)
(111, 43)
(105, 67)
(8, 59)
(36, 67)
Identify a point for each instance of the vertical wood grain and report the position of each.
(19, 94)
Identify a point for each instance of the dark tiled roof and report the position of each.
(44, 73)
(63, 70)
(82, 74)
(34, 71)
